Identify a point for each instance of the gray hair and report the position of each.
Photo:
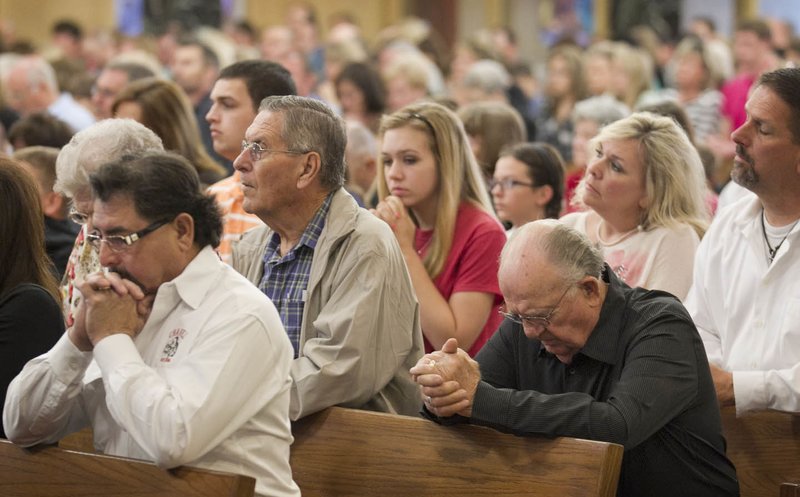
(603, 109)
(309, 125)
(102, 142)
(39, 71)
(568, 249)
(360, 140)
(487, 75)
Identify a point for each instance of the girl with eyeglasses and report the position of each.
(432, 195)
(528, 184)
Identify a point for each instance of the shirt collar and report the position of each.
(602, 343)
(194, 282)
(310, 235)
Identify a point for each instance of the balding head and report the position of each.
(550, 276)
(548, 246)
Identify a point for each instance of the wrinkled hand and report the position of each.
(449, 379)
(723, 383)
(112, 305)
(392, 211)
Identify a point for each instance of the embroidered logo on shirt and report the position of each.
(175, 337)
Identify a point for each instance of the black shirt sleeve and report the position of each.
(657, 380)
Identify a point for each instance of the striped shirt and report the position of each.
(235, 221)
(286, 278)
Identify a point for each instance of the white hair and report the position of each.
(39, 71)
(487, 75)
(360, 140)
(102, 142)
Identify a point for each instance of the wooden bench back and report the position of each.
(345, 452)
(54, 472)
(765, 448)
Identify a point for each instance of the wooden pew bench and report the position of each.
(48, 471)
(345, 452)
(765, 448)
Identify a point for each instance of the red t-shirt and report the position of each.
(472, 263)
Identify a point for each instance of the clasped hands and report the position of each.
(110, 305)
(448, 379)
(392, 211)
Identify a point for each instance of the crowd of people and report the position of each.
(247, 233)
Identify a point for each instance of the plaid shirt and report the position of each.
(286, 278)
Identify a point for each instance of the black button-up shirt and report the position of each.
(642, 380)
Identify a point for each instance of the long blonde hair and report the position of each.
(673, 171)
(460, 177)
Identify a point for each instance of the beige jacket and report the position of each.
(360, 333)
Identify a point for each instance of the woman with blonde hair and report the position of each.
(434, 198)
(406, 80)
(644, 191)
(30, 314)
(632, 73)
(163, 107)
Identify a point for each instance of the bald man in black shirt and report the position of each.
(581, 354)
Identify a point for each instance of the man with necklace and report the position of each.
(744, 298)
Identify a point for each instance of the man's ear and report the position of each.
(184, 225)
(310, 170)
(54, 205)
(590, 289)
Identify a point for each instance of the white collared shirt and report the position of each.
(748, 311)
(206, 383)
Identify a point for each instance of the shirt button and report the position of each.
(571, 370)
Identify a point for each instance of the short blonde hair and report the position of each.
(673, 171)
(410, 66)
(638, 65)
(460, 177)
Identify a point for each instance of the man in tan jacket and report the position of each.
(334, 271)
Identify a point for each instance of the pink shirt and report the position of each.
(735, 93)
(472, 263)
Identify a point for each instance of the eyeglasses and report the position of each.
(77, 217)
(508, 183)
(257, 151)
(120, 243)
(538, 323)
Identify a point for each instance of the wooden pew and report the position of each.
(790, 490)
(340, 452)
(765, 447)
(48, 471)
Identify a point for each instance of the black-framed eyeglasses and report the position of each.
(538, 323)
(508, 183)
(120, 243)
(77, 217)
(257, 150)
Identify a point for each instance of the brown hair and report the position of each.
(22, 255)
(166, 110)
(498, 125)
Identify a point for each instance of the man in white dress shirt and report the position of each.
(745, 297)
(174, 357)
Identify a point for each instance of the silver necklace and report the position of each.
(774, 251)
(619, 239)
